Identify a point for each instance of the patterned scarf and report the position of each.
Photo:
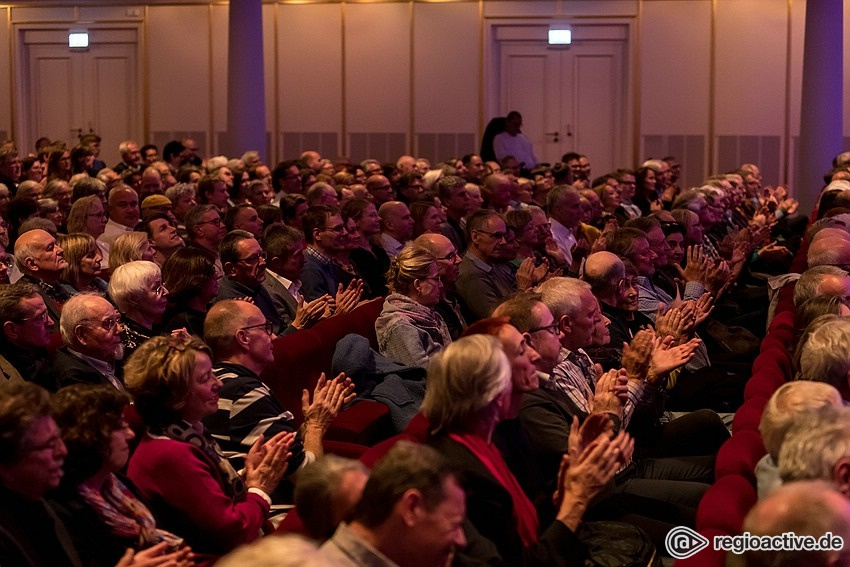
(126, 515)
(233, 484)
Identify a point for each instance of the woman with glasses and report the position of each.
(101, 508)
(136, 289)
(84, 263)
(179, 468)
(59, 164)
(410, 331)
(368, 257)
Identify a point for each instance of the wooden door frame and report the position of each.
(22, 111)
(498, 30)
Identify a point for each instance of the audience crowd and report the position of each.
(575, 347)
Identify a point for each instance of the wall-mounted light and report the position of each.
(78, 40)
(560, 36)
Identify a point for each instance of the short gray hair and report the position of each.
(814, 445)
(463, 380)
(563, 295)
(74, 311)
(808, 286)
(825, 356)
(316, 491)
(787, 403)
(130, 281)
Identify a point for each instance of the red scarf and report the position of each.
(525, 516)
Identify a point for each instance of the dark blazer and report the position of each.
(68, 369)
(490, 510)
(283, 301)
(546, 415)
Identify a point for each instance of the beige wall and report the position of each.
(715, 84)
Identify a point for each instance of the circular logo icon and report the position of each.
(683, 542)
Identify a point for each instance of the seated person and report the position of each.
(42, 262)
(178, 468)
(91, 331)
(410, 331)
(25, 337)
(785, 406)
(469, 391)
(327, 492)
(412, 507)
(103, 513)
(31, 458)
(244, 263)
(84, 263)
(130, 247)
(241, 344)
(284, 247)
(327, 239)
(192, 282)
(136, 289)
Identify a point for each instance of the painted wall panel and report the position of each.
(178, 60)
(6, 109)
(446, 44)
(674, 74)
(750, 50)
(309, 59)
(377, 67)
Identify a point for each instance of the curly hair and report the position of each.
(159, 375)
(88, 414)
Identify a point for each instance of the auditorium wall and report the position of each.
(716, 82)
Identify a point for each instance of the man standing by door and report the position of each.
(512, 142)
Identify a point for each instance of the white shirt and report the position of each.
(518, 146)
(564, 238)
(112, 231)
(294, 288)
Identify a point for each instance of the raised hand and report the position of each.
(308, 314)
(348, 297)
(636, 355)
(266, 461)
(329, 397)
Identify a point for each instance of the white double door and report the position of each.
(66, 93)
(571, 99)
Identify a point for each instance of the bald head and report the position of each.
(603, 271)
(829, 250)
(446, 254)
(396, 220)
(222, 322)
(806, 508)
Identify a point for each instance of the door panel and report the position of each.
(68, 93)
(570, 99)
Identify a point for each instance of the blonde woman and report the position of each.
(130, 247)
(409, 329)
(84, 262)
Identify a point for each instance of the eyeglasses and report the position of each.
(450, 256)
(160, 289)
(215, 221)
(493, 235)
(254, 258)
(626, 283)
(268, 327)
(554, 328)
(44, 317)
(109, 323)
(337, 229)
(99, 215)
